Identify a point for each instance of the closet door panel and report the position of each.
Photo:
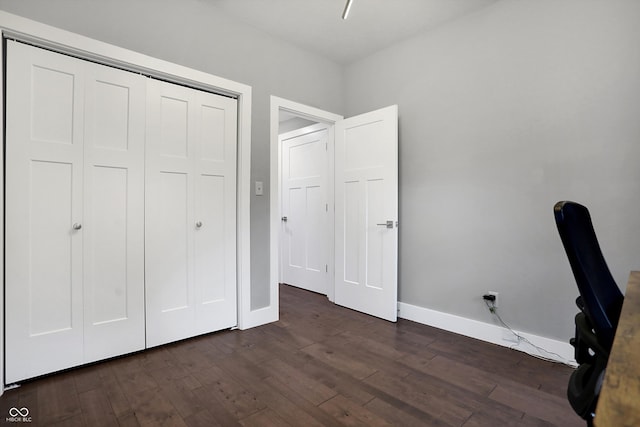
(214, 120)
(114, 212)
(52, 102)
(169, 213)
(107, 263)
(172, 262)
(43, 268)
(210, 266)
(174, 118)
(215, 238)
(51, 248)
(190, 213)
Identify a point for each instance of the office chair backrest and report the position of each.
(600, 294)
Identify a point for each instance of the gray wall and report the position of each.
(293, 124)
(195, 34)
(502, 114)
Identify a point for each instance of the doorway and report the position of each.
(363, 175)
(288, 118)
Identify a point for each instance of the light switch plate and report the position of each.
(259, 188)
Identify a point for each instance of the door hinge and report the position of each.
(326, 207)
(326, 268)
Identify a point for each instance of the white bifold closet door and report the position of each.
(190, 225)
(74, 277)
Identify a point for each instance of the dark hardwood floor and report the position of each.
(319, 365)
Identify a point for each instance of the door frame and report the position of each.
(38, 34)
(311, 113)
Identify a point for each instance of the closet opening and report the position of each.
(140, 68)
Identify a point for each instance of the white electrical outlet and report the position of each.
(494, 293)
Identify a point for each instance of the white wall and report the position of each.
(502, 114)
(195, 34)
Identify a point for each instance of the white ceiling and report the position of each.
(316, 25)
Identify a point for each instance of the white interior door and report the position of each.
(305, 236)
(190, 212)
(43, 269)
(366, 212)
(113, 227)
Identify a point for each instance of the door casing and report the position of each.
(310, 113)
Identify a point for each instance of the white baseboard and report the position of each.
(555, 350)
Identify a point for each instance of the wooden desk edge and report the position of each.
(619, 402)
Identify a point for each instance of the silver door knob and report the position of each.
(388, 224)
(198, 224)
(77, 226)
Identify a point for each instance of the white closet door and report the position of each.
(190, 213)
(215, 213)
(113, 212)
(43, 282)
(169, 216)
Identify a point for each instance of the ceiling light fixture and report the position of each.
(347, 7)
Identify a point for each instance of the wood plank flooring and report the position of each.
(320, 365)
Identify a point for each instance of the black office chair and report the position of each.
(600, 302)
